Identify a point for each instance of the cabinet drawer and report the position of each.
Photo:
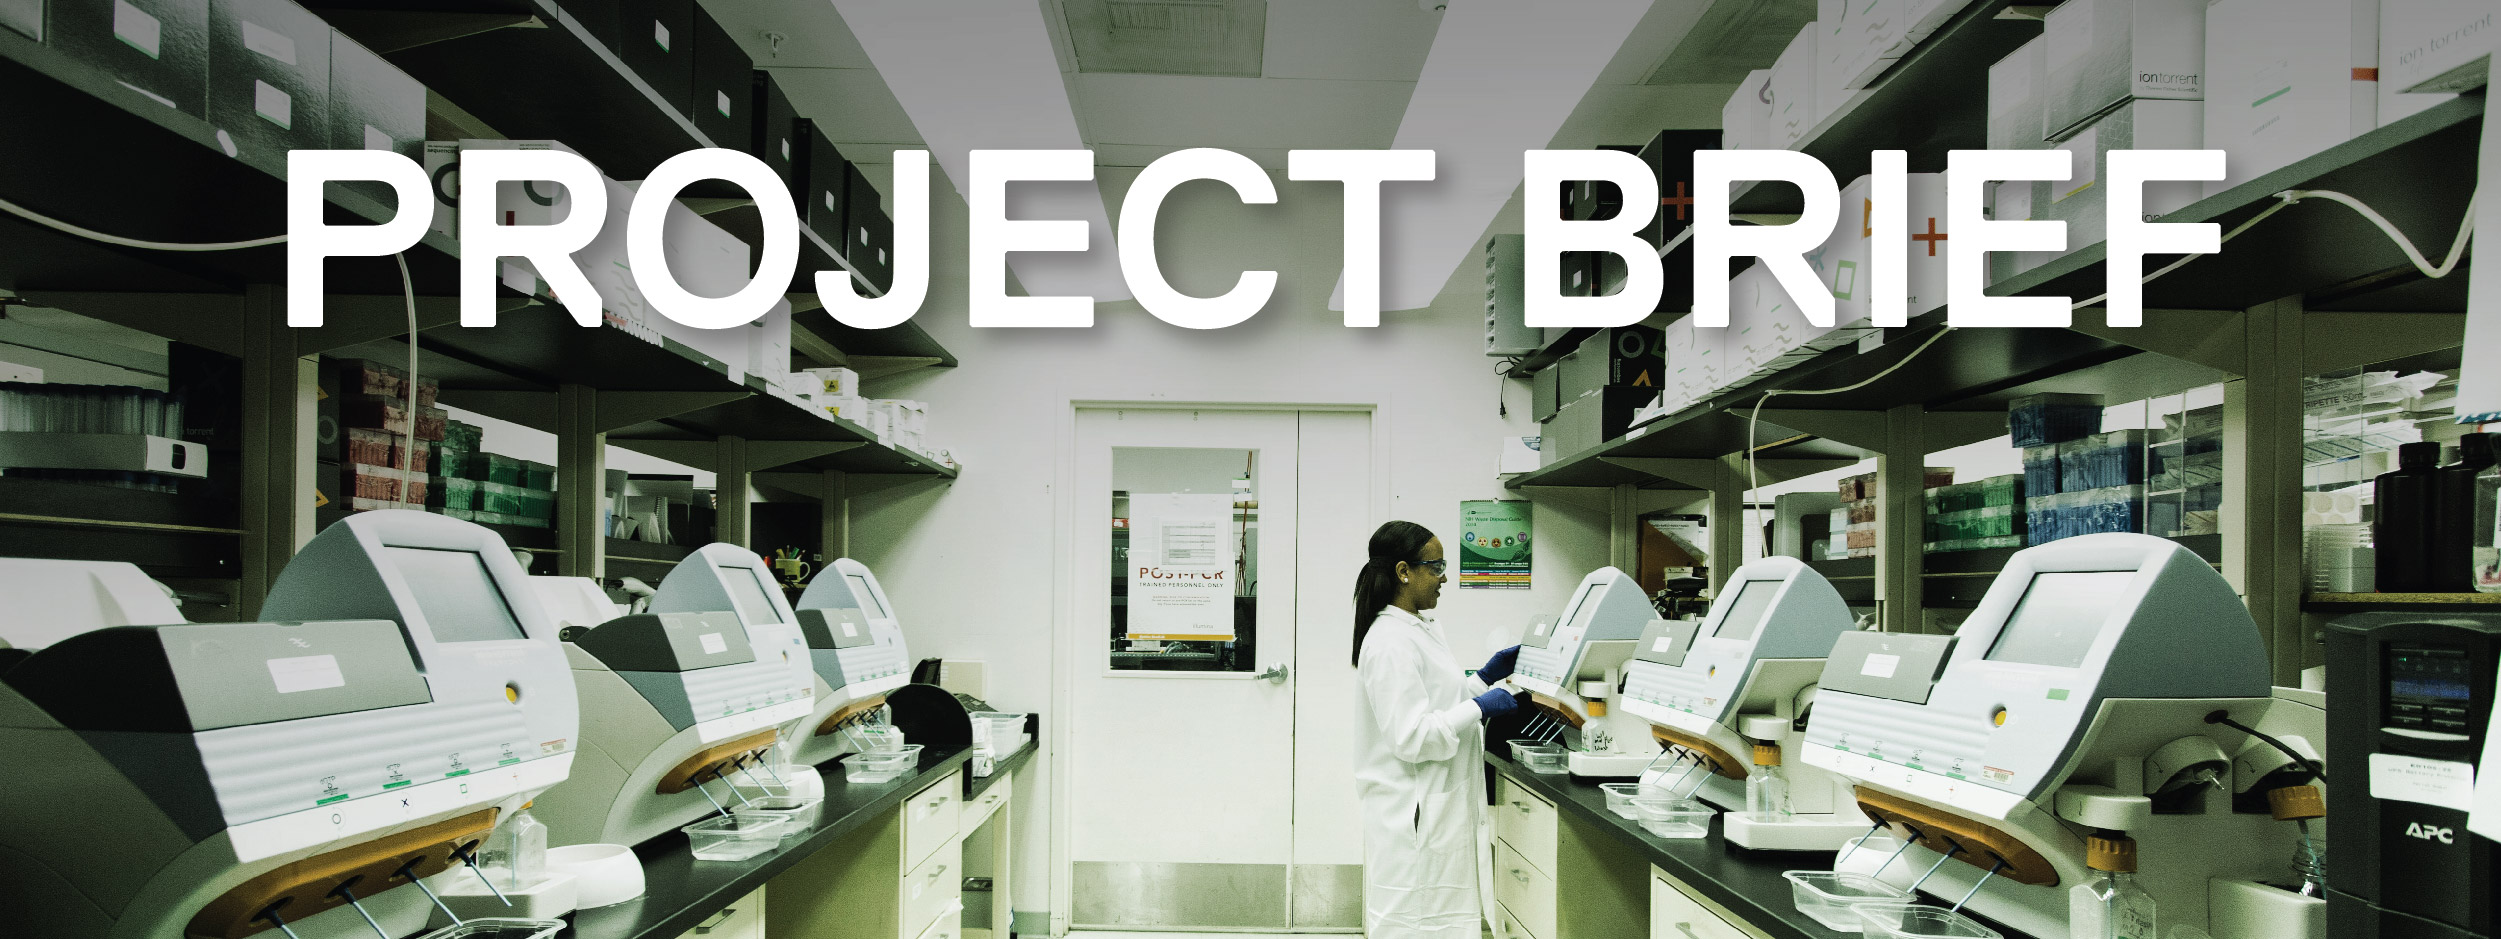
(931, 889)
(742, 919)
(1676, 915)
(1507, 926)
(950, 926)
(1524, 890)
(1526, 820)
(981, 807)
(929, 820)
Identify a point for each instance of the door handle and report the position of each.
(1275, 674)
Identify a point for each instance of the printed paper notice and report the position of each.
(1493, 544)
(306, 673)
(2444, 783)
(1182, 552)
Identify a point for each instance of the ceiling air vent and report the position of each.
(1168, 37)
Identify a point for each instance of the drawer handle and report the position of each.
(1515, 872)
(940, 872)
(1522, 806)
(1687, 929)
(716, 922)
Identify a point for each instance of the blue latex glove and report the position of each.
(1497, 703)
(1499, 667)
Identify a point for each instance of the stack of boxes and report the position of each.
(1854, 521)
(2077, 480)
(2184, 474)
(493, 488)
(894, 422)
(1851, 45)
(1975, 515)
(1590, 396)
(2122, 75)
(361, 426)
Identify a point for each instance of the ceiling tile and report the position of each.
(1354, 40)
(1237, 113)
(815, 36)
(852, 105)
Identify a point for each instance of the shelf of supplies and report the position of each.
(165, 534)
(100, 155)
(2416, 172)
(1932, 101)
(2366, 602)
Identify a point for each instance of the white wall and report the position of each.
(968, 564)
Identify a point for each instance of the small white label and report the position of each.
(785, 149)
(660, 34)
(720, 99)
(268, 42)
(713, 644)
(375, 139)
(1661, 644)
(2431, 782)
(1879, 665)
(272, 104)
(829, 200)
(136, 27)
(850, 630)
(1541, 629)
(306, 673)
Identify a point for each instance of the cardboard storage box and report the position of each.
(724, 86)
(774, 134)
(1859, 40)
(822, 182)
(156, 47)
(2142, 124)
(1594, 419)
(655, 38)
(2101, 53)
(269, 76)
(869, 235)
(1795, 95)
(1745, 121)
(373, 105)
(2435, 45)
(2286, 79)
(1847, 256)
(1622, 355)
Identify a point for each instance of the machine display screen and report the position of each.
(2060, 615)
(1747, 609)
(865, 599)
(747, 591)
(2440, 675)
(459, 601)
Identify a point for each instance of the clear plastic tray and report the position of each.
(884, 766)
(736, 837)
(1675, 818)
(499, 929)
(802, 813)
(1547, 758)
(1912, 921)
(1833, 897)
(1620, 798)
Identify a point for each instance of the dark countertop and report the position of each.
(974, 786)
(680, 892)
(1745, 881)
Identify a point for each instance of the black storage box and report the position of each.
(822, 182)
(269, 76)
(869, 241)
(724, 86)
(159, 47)
(656, 39)
(772, 133)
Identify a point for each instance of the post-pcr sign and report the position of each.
(1182, 549)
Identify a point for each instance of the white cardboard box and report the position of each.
(1519, 455)
(1848, 256)
(2141, 124)
(1794, 92)
(1745, 121)
(519, 203)
(2103, 52)
(2435, 45)
(1861, 42)
(2286, 79)
(2015, 106)
(768, 345)
(1695, 355)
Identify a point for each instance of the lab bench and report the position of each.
(682, 894)
(1701, 888)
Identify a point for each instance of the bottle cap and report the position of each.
(1766, 754)
(2422, 454)
(2296, 802)
(2110, 852)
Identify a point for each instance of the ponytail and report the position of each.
(1393, 542)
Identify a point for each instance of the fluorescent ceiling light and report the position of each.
(1501, 79)
(981, 75)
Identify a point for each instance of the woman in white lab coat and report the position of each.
(1417, 745)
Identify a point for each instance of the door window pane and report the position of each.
(1185, 568)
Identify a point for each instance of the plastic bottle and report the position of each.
(2112, 905)
(2401, 535)
(1766, 787)
(516, 855)
(2453, 520)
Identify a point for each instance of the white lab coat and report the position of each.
(1420, 776)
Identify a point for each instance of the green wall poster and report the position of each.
(1493, 544)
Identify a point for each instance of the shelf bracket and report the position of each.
(2215, 339)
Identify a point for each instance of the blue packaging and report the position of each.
(2040, 420)
(2040, 471)
(2101, 461)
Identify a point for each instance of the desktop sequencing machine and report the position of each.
(1731, 694)
(255, 778)
(1574, 663)
(2105, 708)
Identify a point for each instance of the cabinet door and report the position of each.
(742, 919)
(1526, 820)
(1674, 915)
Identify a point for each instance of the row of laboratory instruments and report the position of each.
(421, 739)
(2096, 752)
